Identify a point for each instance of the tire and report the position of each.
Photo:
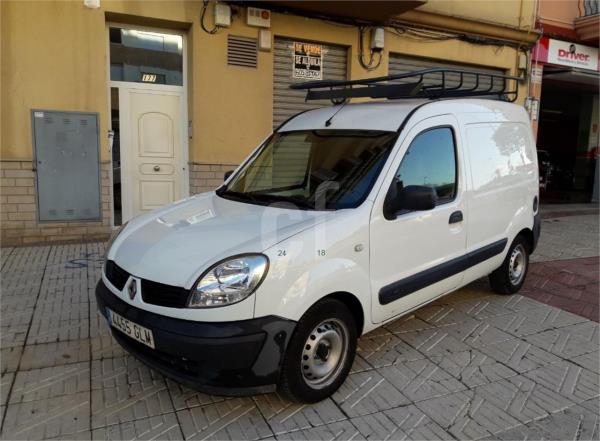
(510, 277)
(311, 371)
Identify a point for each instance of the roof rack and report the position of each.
(427, 83)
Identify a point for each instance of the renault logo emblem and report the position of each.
(132, 289)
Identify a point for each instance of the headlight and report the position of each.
(112, 238)
(229, 282)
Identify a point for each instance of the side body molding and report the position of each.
(418, 281)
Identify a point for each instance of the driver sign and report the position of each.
(308, 61)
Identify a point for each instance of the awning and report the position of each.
(572, 75)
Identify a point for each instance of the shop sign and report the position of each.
(536, 74)
(565, 53)
(308, 61)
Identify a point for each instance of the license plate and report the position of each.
(131, 329)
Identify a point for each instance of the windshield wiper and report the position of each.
(236, 195)
(263, 198)
(269, 197)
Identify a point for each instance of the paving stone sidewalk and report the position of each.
(571, 285)
(568, 237)
(472, 365)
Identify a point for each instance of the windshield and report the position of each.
(313, 169)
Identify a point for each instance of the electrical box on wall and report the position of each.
(66, 147)
(522, 61)
(377, 39)
(222, 15)
(92, 4)
(264, 40)
(258, 17)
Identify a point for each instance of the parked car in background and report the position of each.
(545, 168)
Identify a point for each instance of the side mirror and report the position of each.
(417, 198)
(411, 197)
(227, 174)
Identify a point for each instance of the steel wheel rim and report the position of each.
(324, 353)
(517, 265)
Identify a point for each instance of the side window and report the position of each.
(431, 161)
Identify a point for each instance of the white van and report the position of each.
(343, 219)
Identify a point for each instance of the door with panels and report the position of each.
(152, 162)
(148, 119)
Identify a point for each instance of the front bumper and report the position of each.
(225, 358)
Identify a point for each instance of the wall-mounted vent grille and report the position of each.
(242, 51)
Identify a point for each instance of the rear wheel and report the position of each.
(510, 277)
(320, 353)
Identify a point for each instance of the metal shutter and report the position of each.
(400, 64)
(287, 102)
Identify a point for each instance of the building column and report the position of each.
(535, 94)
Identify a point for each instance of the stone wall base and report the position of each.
(19, 223)
(206, 177)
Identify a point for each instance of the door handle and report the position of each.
(156, 168)
(455, 217)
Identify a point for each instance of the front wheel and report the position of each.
(510, 277)
(320, 353)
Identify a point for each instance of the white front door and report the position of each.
(418, 255)
(152, 148)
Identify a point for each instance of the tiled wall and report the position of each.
(18, 210)
(18, 205)
(207, 177)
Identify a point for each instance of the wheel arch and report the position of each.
(527, 233)
(353, 304)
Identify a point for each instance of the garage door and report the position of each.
(287, 102)
(400, 64)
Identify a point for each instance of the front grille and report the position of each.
(115, 274)
(152, 292)
(164, 295)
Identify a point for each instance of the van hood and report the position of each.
(175, 244)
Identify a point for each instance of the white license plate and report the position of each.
(133, 330)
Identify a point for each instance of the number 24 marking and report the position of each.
(282, 253)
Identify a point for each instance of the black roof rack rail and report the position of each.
(427, 83)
